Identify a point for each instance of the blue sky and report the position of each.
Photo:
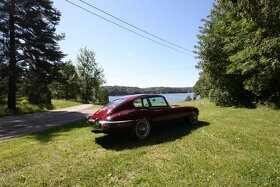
(130, 60)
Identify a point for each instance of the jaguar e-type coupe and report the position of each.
(136, 114)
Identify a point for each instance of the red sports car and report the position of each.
(136, 113)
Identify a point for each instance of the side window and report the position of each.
(158, 102)
(137, 103)
(140, 103)
(145, 102)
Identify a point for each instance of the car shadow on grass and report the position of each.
(47, 135)
(159, 134)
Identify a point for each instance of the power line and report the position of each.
(127, 28)
(134, 26)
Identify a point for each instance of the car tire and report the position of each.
(193, 118)
(141, 129)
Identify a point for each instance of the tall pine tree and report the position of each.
(30, 45)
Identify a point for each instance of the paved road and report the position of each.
(13, 126)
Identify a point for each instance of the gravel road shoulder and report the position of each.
(13, 126)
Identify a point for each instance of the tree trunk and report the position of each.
(12, 64)
(96, 95)
(67, 92)
(87, 91)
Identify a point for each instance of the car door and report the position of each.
(143, 108)
(159, 109)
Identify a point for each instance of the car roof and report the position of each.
(135, 96)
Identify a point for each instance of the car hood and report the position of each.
(178, 106)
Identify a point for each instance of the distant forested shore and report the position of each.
(126, 90)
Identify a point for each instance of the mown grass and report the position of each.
(59, 104)
(24, 107)
(229, 147)
(94, 107)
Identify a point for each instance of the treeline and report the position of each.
(239, 54)
(83, 81)
(125, 90)
(31, 60)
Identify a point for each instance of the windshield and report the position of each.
(115, 102)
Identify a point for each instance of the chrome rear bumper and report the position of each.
(95, 124)
(107, 125)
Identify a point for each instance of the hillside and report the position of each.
(125, 90)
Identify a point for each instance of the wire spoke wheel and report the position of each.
(193, 118)
(142, 129)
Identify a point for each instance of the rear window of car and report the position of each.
(115, 102)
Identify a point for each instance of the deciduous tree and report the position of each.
(91, 76)
(239, 53)
(67, 84)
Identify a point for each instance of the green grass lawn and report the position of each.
(95, 107)
(229, 147)
(25, 107)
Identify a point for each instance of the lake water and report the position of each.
(173, 97)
